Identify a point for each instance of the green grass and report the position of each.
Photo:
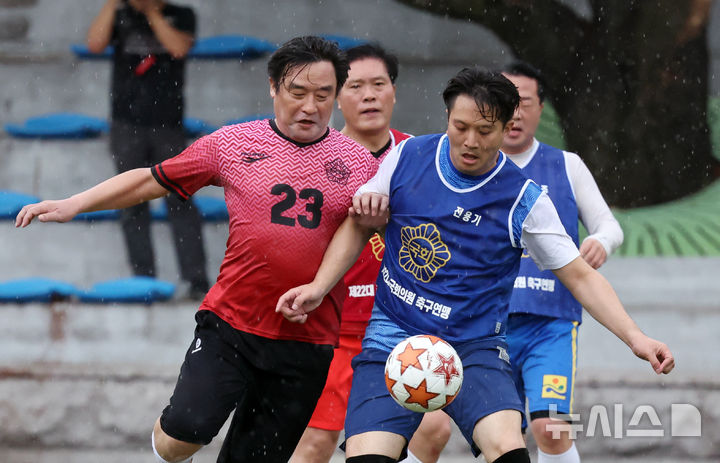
(689, 226)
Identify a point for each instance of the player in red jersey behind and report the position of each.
(367, 101)
(288, 184)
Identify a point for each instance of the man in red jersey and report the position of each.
(366, 100)
(288, 185)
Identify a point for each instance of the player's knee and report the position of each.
(371, 459)
(551, 436)
(442, 433)
(432, 436)
(170, 450)
(514, 456)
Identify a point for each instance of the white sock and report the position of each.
(410, 458)
(161, 459)
(569, 456)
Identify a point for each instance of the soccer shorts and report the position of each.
(543, 353)
(487, 388)
(330, 410)
(272, 385)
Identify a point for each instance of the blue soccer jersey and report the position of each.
(539, 291)
(453, 242)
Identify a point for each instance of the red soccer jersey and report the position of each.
(360, 279)
(285, 201)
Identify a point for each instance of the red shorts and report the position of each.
(330, 410)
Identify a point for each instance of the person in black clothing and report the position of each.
(151, 39)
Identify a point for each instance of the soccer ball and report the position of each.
(423, 373)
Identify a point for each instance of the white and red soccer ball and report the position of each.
(423, 373)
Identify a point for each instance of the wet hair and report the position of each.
(303, 51)
(374, 50)
(521, 68)
(495, 96)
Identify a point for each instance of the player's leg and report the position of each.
(320, 438)
(289, 377)
(487, 409)
(498, 434)
(183, 216)
(376, 427)
(130, 149)
(549, 375)
(316, 446)
(430, 438)
(213, 378)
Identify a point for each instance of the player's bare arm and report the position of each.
(344, 248)
(121, 191)
(599, 299)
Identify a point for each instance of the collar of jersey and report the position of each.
(274, 126)
(456, 180)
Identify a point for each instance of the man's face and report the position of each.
(474, 140)
(368, 96)
(527, 116)
(303, 102)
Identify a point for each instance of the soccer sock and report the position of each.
(520, 455)
(161, 459)
(569, 456)
(411, 458)
(370, 459)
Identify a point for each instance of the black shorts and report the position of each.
(272, 385)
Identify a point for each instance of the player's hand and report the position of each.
(295, 304)
(370, 210)
(47, 211)
(593, 252)
(655, 352)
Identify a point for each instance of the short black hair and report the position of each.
(496, 97)
(521, 68)
(302, 51)
(374, 50)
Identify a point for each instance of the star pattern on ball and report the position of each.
(419, 395)
(410, 358)
(447, 368)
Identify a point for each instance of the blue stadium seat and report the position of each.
(211, 209)
(129, 290)
(195, 128)
(215, 47)
(59, 125)
(11, 203)
(231, 46)
(96, 216)
(35, 290)
(81, 51)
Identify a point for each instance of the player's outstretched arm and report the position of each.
(121, 191)
(341, 253)
(594, 292)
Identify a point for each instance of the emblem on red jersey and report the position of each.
(377, 245)
(337, 171)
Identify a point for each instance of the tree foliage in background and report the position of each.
(629, 83)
